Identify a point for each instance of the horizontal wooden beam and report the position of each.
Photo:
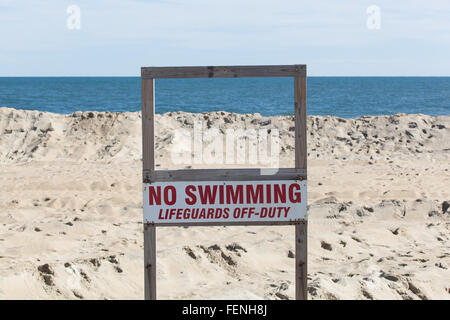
(252, 174)
(229, 223)
(297, 70)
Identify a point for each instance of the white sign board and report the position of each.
(219, 201)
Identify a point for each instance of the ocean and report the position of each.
(346, 97)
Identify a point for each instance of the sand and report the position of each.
(71, 211)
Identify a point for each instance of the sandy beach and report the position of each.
(71, 211)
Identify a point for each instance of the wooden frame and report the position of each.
(224, 175)
(298, 70)
(148, 76)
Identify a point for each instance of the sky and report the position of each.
(118, 37)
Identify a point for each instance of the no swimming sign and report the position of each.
(233, 196)
(224, 201)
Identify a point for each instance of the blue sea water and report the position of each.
(346, 97)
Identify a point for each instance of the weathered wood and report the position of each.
(232, 223)
(224, 71)
(301, 261)
(225, 175)
(148, 163)
(301, 230)
(300, 122)
(148, 121)
(148, 74)
(150, 262)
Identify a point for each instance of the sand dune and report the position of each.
(71, 211)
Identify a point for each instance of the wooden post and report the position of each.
(148, 165)
(301, 229)
(150, 262)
